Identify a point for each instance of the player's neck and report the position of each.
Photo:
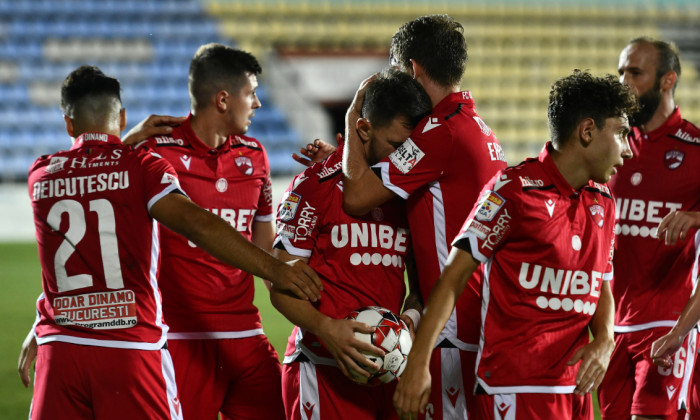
(438, 92)
(663, 112)
(569, 164)
(208, 130)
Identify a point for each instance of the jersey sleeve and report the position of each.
(489, 223)
(298, 216)
(158, 176)
(418, 161)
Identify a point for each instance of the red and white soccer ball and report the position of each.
(392, 336)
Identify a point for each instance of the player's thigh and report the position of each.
(526, 407)
(254, 381)
(616, 392)
(59, 389)
(134, 384)
(448, 395)
(661, 391)
(199, 378)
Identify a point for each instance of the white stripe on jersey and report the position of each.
(308, 391)
(384, 169)
(688, 371)
(214, 335)
(263, 217)
(640, 327)
(166, 363)
(167, 190)
(694, 276)
(451, 378)
(291, 249)
(153, 279)
(439, 224)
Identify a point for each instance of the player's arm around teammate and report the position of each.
(673, 227)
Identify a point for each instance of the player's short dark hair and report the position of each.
(395, 94)
(580, 96)
(85, 85)
(217, 67)
(437, 43)
(668, 58)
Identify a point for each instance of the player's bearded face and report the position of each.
(648, 102)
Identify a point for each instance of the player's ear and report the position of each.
(586, 129)
(416, 70)
(221, 100)
(364, 129)
(70, 128)
(122, 119)
(668, 80)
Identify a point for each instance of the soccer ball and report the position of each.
(392, 335)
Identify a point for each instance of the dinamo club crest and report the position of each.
(597, 214)
(674, 159)
(245, 165)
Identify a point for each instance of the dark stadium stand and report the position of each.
(146, 44)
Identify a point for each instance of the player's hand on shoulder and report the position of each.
(676, 225)
(314, 152)
(594, 358)
(27, 357)
(412, 391)
(664, 349)
(338, 336)
(154, 125)
(297, 278)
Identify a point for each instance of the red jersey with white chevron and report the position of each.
(203, 297)
(661, 177)
(360, 260)
(546, 250)
(98, 245)
(440, 170)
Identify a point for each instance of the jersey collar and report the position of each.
(446, 104)
(198, 145)
(674, 120)
(553, 172)
(95, 139)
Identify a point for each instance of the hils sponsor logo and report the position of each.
(527, 182)
(328, 171)
(407, 156)
(674, 159)
(249, 143)
(687, 137)
(168, 140)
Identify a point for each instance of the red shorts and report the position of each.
(452, 394)
(86, 382)
(241, 378)
(533, 407)
(313, 392)
(694, 394)
(634, 385)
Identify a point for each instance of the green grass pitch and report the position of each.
(20, 284)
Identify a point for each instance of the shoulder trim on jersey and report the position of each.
(535, 187)
(184, 146)
(459, 107)
(596, 190)
(233, 146)
(695, 142)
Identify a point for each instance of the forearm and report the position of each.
(690, 316)
(355, 169)
(460, 266)
(299, 312)
(603, 319)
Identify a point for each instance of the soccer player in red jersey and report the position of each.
(439, 171)
(544, 232)
(100, 330)
(361, 261)
(652, 281)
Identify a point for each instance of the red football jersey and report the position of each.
(98, 245)
(660, 178)
(203, 297)
(360, 260)
(440, 170)
(546, 250)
